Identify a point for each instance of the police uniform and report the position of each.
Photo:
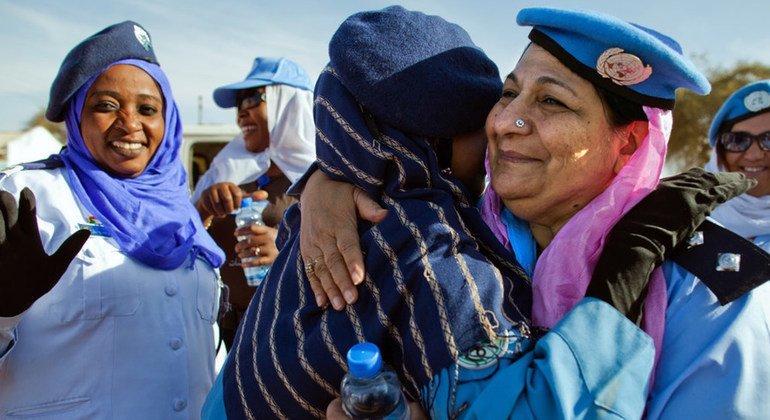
(75, 352)
(717, 333)
(127, 331)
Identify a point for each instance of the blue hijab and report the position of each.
(437, 280)
(150, 216)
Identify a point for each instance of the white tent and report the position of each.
(35, 144)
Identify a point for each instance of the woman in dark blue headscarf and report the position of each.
(129, 292)
(442, 283)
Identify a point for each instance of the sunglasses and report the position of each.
(251, 101)
(739, 141)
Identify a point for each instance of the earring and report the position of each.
(519, 123)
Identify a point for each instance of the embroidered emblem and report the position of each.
(757, 101)
(143, 37)
(696, 239)
(622, 68)
(484, 354)
(96, 228)
(729, 262)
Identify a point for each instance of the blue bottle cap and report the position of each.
(364, 360)
(246, 202)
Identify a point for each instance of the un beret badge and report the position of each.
(757, 101)
(622, 68)
(142, 36)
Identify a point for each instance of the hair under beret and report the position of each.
(399, 64)
(116, 42)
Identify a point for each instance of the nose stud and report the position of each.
(519, 123)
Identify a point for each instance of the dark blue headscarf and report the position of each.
(437, 280)
(150, 216)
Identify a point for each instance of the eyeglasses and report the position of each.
(251, 101)
(739, 141)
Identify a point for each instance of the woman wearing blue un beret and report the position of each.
(445, 301)
(576, 140)
(740, 141)
(117, 321)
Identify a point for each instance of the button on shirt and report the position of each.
(114, 338)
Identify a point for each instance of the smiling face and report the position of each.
(252, 119)
(564, 155)
(754, 162)
(122, 121)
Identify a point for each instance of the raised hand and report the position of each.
(27, 271)
(650, 231)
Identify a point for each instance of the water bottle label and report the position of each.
(255, 275)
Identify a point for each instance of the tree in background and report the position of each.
(693, 113)
(57, 129)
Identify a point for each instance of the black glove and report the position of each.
(651, 230)
(27, 272)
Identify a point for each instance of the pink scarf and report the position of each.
(564, 269)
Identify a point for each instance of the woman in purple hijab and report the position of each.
(110, 283)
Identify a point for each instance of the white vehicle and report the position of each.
(201, 143)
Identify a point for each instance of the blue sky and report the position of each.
(204, 44)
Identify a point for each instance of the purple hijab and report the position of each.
(150, 216)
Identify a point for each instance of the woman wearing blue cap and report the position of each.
(440, 298)
(116, 323)
(576, 140)
(740, 141)
(274, 111)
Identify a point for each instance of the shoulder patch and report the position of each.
(728, 264)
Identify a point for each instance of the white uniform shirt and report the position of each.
(114, 338)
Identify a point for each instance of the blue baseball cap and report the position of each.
(265, 71)
(627, 59)
(399, 64)
(746, 102)
(116, 42)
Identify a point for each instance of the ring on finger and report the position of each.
(256, 251)
(310, 265)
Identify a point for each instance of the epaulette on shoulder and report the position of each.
(728, 264)
(51, 162)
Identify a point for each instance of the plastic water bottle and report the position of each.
(250, 213)
(370, 391)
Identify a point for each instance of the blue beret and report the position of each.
(116, 42)
(627, 59)
(265, 71)
(400, 64)
(748, 101)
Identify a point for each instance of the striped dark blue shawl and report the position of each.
(437, 280)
